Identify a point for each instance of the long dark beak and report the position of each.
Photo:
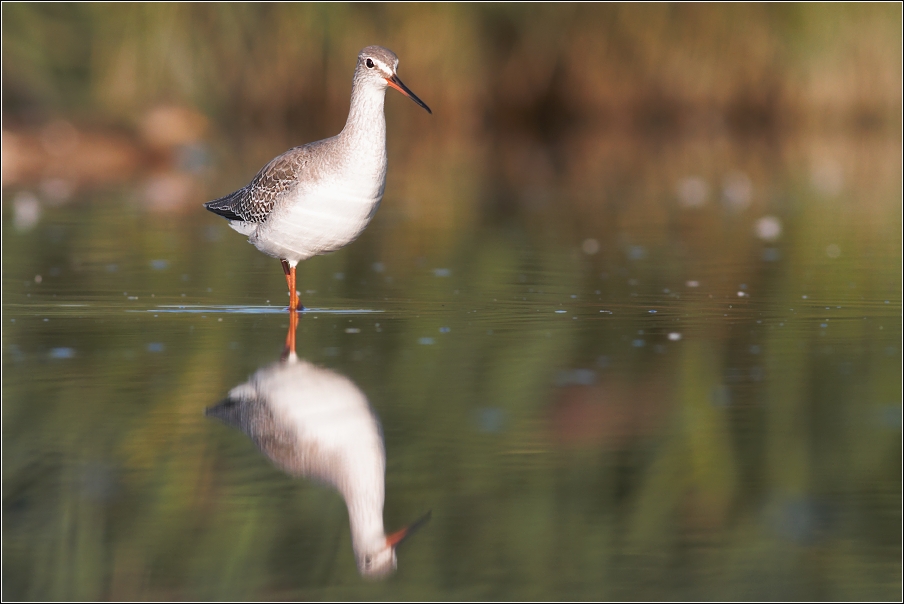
(395, 539)
(396, 83)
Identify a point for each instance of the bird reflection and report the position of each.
(316, 423)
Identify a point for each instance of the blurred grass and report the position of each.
(285, 68)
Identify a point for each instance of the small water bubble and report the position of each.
(737, 190)
(56, 190)
(754, 349)
(692, 283)
(692, 192)
(768, 228)
(378, 267)
(771, 254)
(160, 265)
(720, 396)
(490, 419)
(590, 246)
(833, 251)
(637, 252)
(561, 311)
(578, 377)
(62, 352)
(445, 329)
(26, 211)
(156, 347)
(352, 330)
(425, 341)
(38, 278)
(827, 177)
(338, 276)
(213, 233)
(638, 343)
(674, 336)
(652, 312)
(441, 272)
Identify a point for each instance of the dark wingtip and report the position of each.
(223, 411)
(224, 212)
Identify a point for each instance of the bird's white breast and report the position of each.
(322, 217)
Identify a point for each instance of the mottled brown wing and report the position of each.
(255, 201)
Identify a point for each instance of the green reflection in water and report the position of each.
(579, 431)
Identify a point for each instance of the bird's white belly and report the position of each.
(317, 222)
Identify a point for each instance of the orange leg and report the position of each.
(288, 272)
(294, 303)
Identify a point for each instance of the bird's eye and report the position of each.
(367, 558)
(369, 63)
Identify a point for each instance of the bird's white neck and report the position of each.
(365, 129)
(366, 524)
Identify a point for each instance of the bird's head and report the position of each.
(378, 65)
(380, 561)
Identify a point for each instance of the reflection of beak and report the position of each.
(395, 539)
(396, 83)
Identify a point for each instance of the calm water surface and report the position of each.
(684, 390)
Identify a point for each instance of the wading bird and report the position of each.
(317, 198)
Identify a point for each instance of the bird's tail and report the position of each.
(225, 206)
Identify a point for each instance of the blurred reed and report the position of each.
(285, 68)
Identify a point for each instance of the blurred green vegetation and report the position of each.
(278, 67)
(581, 159)
(694, 468)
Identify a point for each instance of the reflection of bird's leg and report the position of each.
(289, 350)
